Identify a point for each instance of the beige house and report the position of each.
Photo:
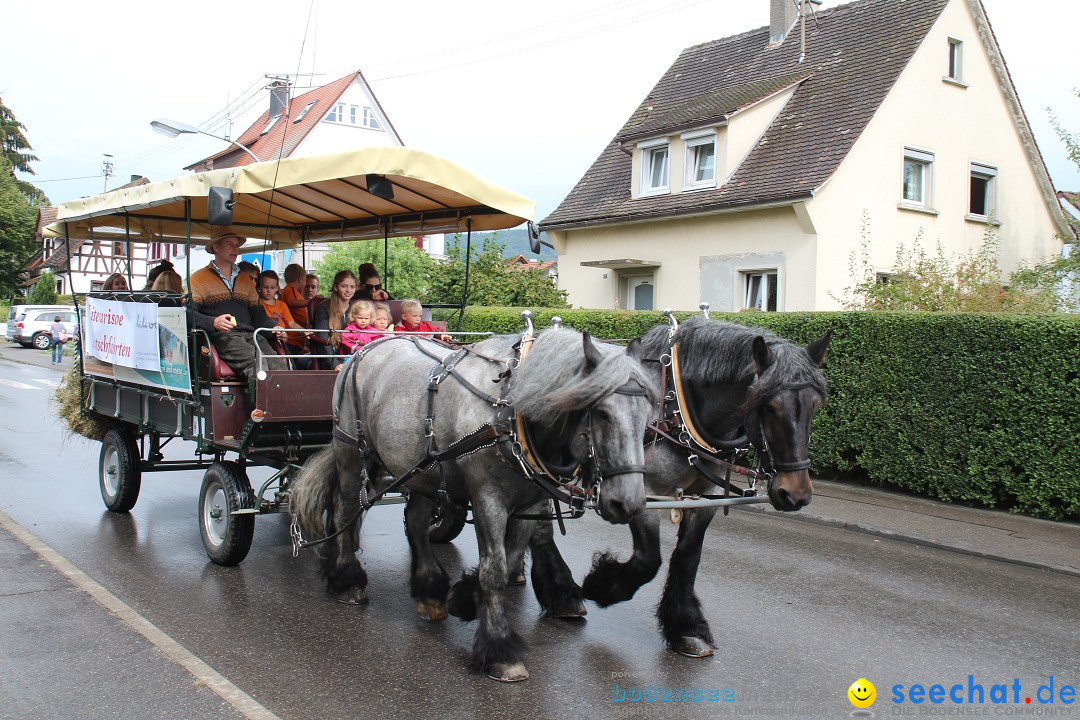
(759, 163)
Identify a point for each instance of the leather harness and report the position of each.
(675, 424)
(509, 430)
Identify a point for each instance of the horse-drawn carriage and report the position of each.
(513, 427)
(152, 376)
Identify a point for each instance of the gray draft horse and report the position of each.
(585, 406)
(741, 383)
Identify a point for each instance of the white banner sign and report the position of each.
(123, 333)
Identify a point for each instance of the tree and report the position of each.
(491, 282)
(406, 277)
(16, 149)
(1071, 140)
(18, 217)
(44, 291)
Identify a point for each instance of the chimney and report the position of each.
(279, 96)
(782, 17)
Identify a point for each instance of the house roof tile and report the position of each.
(855, 53)
(287, 133)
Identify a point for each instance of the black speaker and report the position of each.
(380, 187)
(219, 206)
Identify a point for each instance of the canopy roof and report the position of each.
(321, 198)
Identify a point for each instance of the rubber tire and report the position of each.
(445, 526)
(227, 537)
(41, 341)
(119, 452)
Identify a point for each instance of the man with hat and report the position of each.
(227, 305)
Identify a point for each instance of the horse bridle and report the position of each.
(774, 467)
(690, 438)
(561, 482)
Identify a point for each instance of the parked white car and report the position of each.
(16, 313)
(31, 328)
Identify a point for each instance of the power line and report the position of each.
(84, 177)
(648, 15)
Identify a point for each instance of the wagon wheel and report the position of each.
(447, 522)
(119, 471)
(226, 536)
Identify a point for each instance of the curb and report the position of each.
(914, 540)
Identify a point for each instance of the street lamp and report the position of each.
(172, 128)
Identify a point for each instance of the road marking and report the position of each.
(47, 381)
(237, 698)
(17, 384)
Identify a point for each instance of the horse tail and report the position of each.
(311, 496)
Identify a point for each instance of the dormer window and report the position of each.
(700, 162)
(654, 168)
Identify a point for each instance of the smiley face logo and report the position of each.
(862, 693)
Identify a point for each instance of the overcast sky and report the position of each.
(523, 93)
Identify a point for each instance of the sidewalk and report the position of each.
(992, 534)
(32, 356)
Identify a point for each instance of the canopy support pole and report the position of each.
(386, 255)
(127, 248)
(71, 282)
(468, 258)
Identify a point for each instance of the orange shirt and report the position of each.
(279, 314)
(290, 295)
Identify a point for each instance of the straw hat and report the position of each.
(219, 233)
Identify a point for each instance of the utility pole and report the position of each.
(107, 169)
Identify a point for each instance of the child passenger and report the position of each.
(412, 313)
(384, 319)
(279, 313)
(361, 329)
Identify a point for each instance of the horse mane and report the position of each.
(551, 382)
(712, 351)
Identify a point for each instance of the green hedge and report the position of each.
(975, 408)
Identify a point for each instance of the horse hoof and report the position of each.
(508, 672)
(692, 647)
(518, 579)
(356, 596)
(432, 612)
(576, 612)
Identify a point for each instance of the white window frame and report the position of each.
(924, 161)
(370, 120)
(693, 142)
(648, 152)
(988, 174)
(337, 113)
(954, 71)
(747, 277)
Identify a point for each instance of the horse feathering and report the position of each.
(699, 339)
(552, 381)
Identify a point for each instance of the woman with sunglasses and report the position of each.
(370, 285)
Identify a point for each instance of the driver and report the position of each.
(227, 306)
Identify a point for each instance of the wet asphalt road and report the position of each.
(799, 612)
